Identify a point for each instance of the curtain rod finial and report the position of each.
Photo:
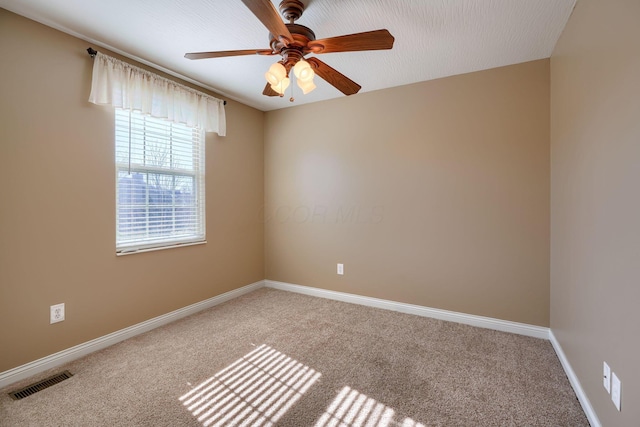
(92, 52)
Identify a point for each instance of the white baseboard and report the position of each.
(32, 368)
(575, 383)
(451, 316)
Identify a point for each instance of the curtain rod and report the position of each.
(93, 53)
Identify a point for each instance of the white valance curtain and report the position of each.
(125, 86)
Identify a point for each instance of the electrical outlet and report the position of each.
(341, 269)
(616, 389)
(57, 313)
(606, 377)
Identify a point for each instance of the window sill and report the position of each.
(158, 248)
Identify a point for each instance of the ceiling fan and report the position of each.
(293, 42)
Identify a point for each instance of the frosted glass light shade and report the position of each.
(282, 86)
(307, 86)
(303, 71)
(276, 73)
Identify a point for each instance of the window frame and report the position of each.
(127, 168)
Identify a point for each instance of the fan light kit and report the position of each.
(293, 42)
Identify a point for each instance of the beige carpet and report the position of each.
(278, 358)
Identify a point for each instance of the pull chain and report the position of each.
(292, 98)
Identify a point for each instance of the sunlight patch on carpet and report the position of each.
(354, 409)
(255, 390)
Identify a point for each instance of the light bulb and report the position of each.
(307, 86)
(276, 73)
(303, 71)
(307, 75)
(282, 86)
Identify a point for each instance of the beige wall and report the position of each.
(434, 194)
(595, 200)
(57, 213)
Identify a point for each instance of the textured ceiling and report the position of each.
(434, 38)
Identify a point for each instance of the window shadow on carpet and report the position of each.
(260, 387)
(351, 408)
(255, 390)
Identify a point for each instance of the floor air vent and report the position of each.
(40, 385)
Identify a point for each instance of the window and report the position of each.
(159, 182)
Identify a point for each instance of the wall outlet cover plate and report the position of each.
(57, 313)
(615, 390)
(606, 377)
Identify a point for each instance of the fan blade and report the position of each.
(223, 53)
(269, 92)
(370, 40)
(267, 13)
(338, 80)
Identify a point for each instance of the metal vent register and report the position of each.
(40, 385)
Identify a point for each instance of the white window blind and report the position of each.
(159, 182)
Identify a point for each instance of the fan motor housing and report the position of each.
(291, 9)
(301, 37)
